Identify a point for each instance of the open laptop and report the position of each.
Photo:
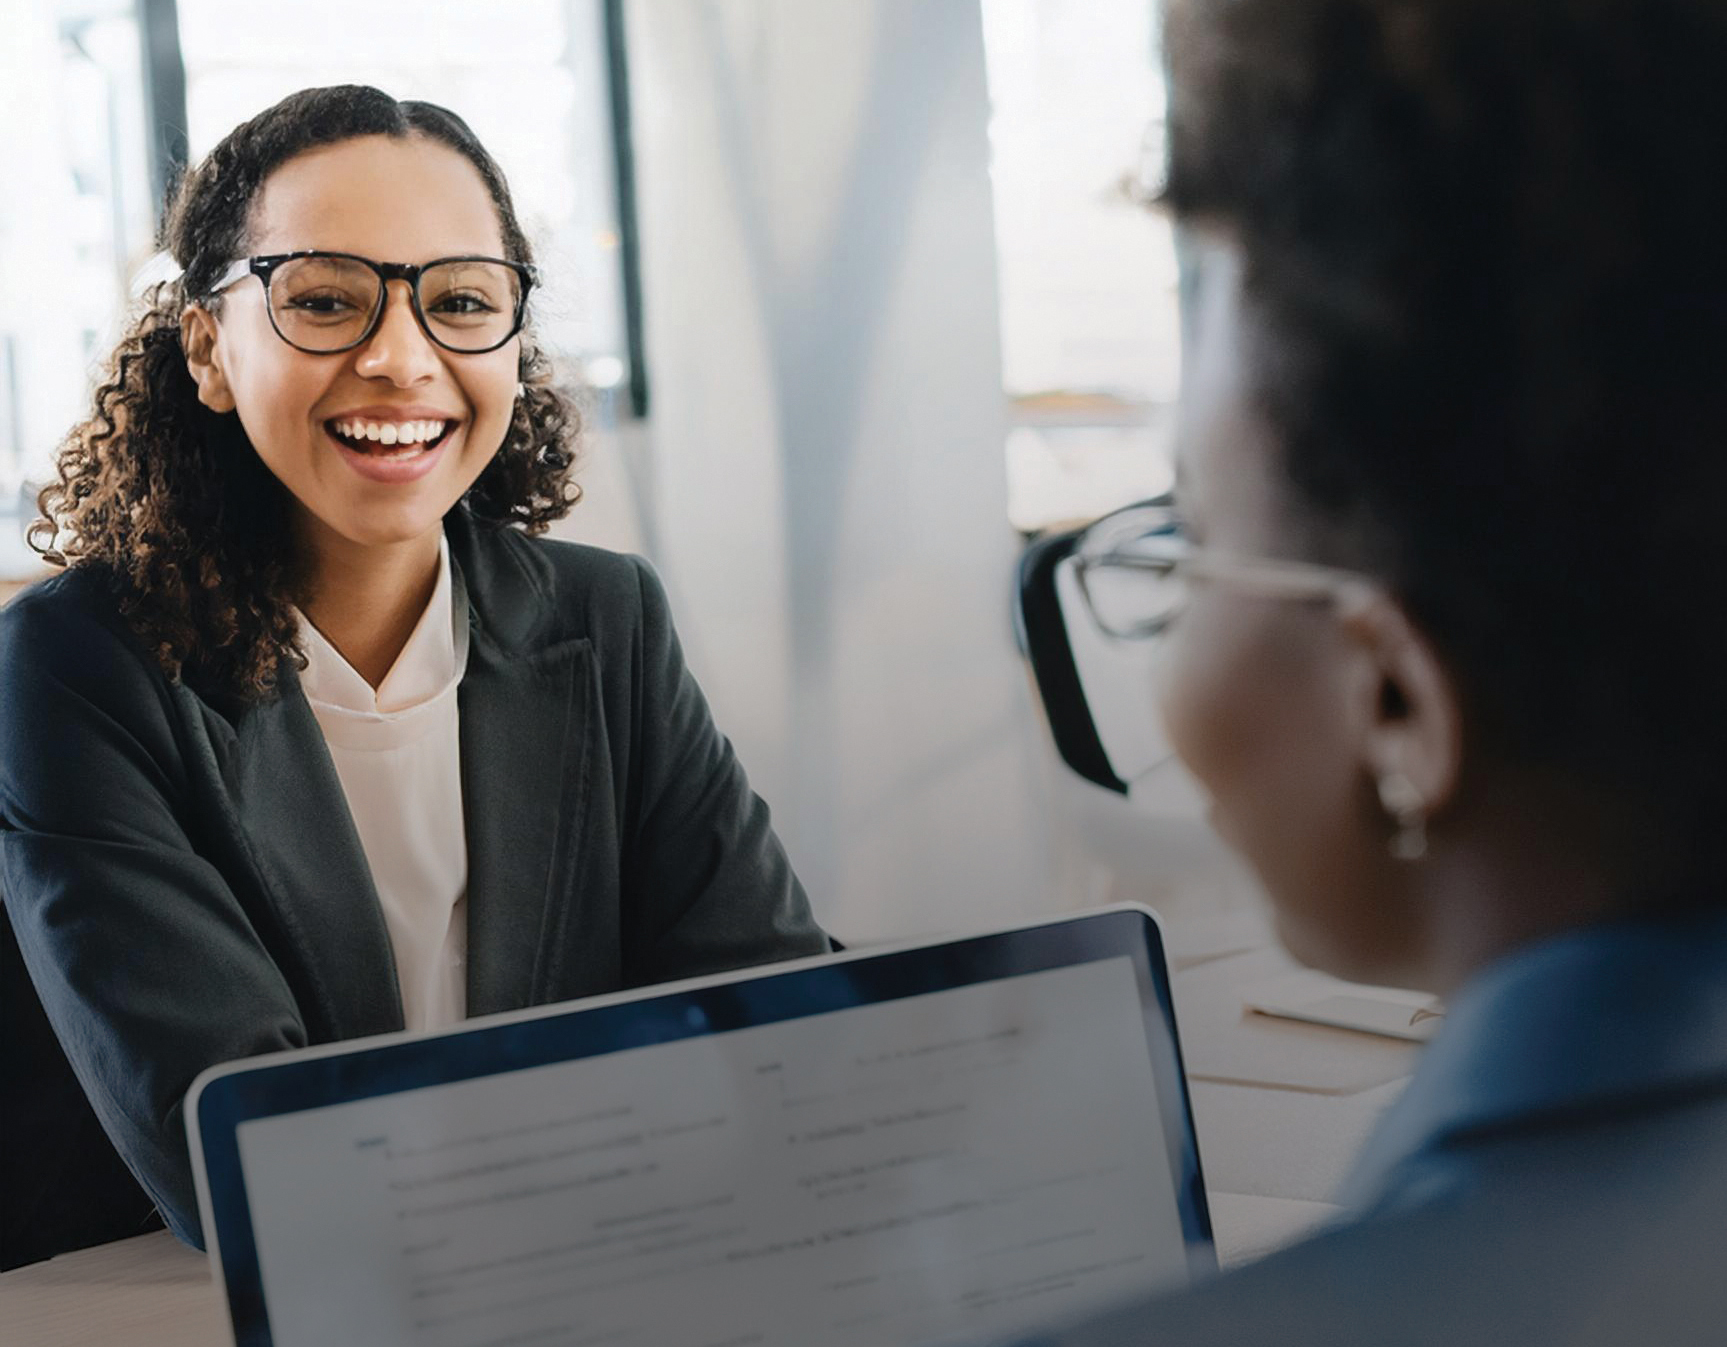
(951, 1141)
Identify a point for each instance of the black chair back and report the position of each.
(62, 1184)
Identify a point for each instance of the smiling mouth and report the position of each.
(397, 440)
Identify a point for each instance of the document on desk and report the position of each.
(901, 1172)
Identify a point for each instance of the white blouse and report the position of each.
(397, 753)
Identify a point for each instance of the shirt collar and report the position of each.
(429, 663)
(1610, 1012)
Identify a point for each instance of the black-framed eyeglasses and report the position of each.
(327, 302)
(1134, 567)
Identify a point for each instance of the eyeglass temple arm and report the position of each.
(1041, 626)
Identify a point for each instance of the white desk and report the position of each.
(151, 1291)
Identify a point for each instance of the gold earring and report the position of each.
(1401, 799)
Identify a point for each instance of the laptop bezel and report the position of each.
(225, 1097)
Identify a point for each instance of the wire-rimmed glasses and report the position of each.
(325, 303)
(1134, 567)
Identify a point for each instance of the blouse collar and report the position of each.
(429, 665)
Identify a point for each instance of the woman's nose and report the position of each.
(398, 349)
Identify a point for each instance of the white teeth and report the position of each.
(392, 433)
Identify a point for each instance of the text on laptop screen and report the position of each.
(944, 1165)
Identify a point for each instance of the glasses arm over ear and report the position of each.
(238, 270)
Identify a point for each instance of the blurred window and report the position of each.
(1090, 325)
(75, 219)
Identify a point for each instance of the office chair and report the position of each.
(62, 1184)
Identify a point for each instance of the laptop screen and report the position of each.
(959, 1140)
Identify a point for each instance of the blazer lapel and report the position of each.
(295, 817)
(525, 741)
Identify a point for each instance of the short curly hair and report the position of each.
(1484, 239)
(170, 498)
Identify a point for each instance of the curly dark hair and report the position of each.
(169, 496)
(1484, 239)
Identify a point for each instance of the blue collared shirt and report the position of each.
(1603, 1018)
(1556, 1173)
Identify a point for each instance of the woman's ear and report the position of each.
(198, 339)
(1406, 705)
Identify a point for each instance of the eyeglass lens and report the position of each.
(1133, 580)
(327, 303)
(1131, 601)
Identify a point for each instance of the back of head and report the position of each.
(1485, 240)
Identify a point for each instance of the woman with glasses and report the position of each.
(314, 738)
(1443, 609)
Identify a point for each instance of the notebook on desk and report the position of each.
(934, 1143)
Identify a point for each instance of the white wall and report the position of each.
(829, 500)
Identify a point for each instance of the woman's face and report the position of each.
(391, 200)
(1261, 696)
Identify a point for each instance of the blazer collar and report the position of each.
(1611, 1014)
(526, 738)
(295, 818)
(529, 705)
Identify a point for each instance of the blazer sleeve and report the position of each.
(706, 884)
(144, 960)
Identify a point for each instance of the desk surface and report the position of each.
(1280, 1108)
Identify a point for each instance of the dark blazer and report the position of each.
(186, 886)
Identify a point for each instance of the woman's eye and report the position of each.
(459, 304)
(326, 303)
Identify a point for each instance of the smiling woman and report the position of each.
(274, 359)
(309, 742)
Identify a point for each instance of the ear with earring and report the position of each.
(1401, 799)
